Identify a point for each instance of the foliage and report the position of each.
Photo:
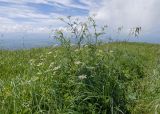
(88, 78)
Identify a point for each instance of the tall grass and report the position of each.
(87, 78)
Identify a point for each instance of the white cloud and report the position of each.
(129, 13)
(68, 3)
(19, 16)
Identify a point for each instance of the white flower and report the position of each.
(82, 77)
(111, 51)
(100, 51)
(49, 53)
(77, 62)
(86, 45)
(39, 73)
(31, 61)
(91, 68)
(40, 64)
(34, 78)
(76, 50)
(55, 56)
(51, 65)
(56, 68)
(48, 71)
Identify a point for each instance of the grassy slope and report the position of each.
(48, 79)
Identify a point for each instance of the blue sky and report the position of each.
(39, 15)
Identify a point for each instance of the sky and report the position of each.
(39, 16)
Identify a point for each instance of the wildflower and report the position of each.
(41, 56)
(39, 73)
(49, 53)
(34, 78)
(42, 59)
(31, 61)
(55, 56)
(51, 65)
(26, 104)
(85, 45)
(47, 71)
(82, 77)
(111, 51)
(100, 51)
(77, 62)
(40, 64)
(54, 73)
(56, 68)
(76, 50)
(90, 68)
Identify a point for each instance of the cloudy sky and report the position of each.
(40, 15)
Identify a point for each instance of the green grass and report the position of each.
(115, 78)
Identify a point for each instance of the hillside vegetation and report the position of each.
(114, 78)
(89, 77)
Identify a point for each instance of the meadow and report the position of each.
(84, 78)
(118, 78)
